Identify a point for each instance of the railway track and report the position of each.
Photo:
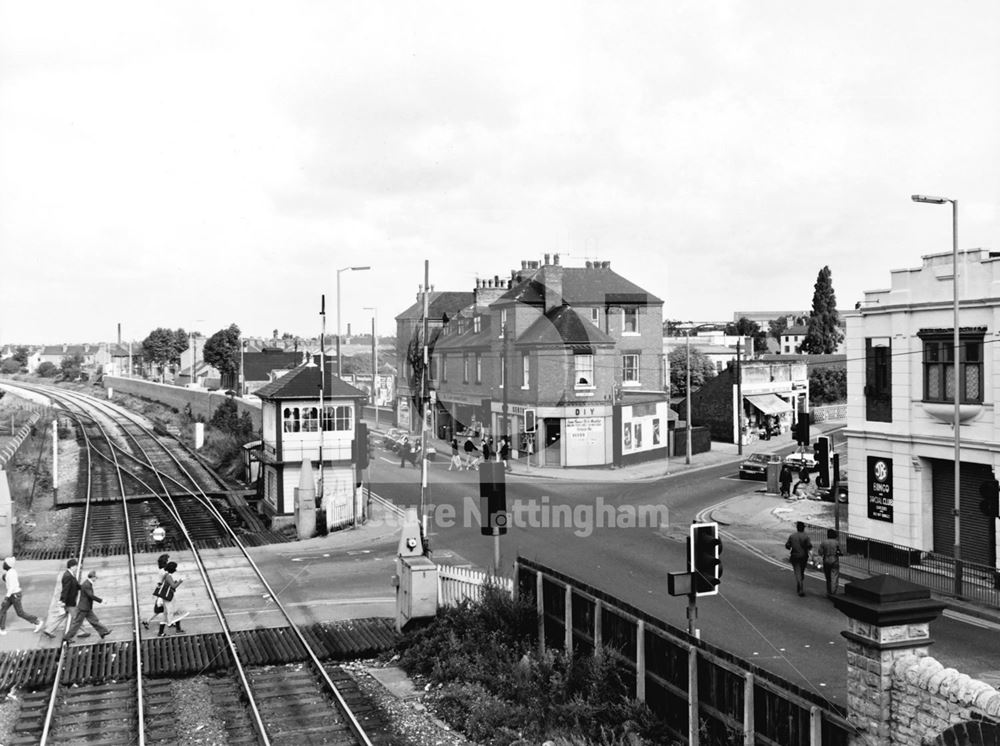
(302, 704)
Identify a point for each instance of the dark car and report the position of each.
(755, 465)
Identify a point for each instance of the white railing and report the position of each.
(457, 584)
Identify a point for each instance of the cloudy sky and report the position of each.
(192, 164)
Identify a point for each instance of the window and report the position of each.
(878, 379)
(503, 321)
(443, 368)
(465, 367)
(584, 371)
(503, 369)
(290, 419)
(338, 418)
(525, 370)
(630, 368)
(479, 367)
(595, 317)
(939, 365)
(310, 419)
(477, 324)
(630, 321)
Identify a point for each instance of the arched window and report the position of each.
(310, 420)
(290, 419)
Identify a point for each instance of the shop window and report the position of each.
(630, 368)
(290, 419)
(583, 365)
(939, 365)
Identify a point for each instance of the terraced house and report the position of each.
(576, 350)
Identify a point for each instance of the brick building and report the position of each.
(580, 346)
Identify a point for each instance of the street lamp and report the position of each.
(344, 269)
(687, 389)
(956, 355)
(374, 359)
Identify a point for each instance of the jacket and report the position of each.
(87, 596)
(800, 545)
(70, 589)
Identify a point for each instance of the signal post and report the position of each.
(704, 569)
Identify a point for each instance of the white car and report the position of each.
(798, 460)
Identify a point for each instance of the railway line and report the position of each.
(301, 704)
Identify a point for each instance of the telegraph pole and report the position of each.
(425, 402)
(322, 400)
(506, 383)
(739, 400)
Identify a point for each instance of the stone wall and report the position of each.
(202, 403)
(928, 698)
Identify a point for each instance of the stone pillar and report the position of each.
(887, 618)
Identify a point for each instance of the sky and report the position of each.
(194, 165)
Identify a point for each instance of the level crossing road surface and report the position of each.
(756, 615)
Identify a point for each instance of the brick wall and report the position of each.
(202, 403)
(928, 698)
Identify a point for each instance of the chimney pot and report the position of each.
(496, 281)
(555, 259)
(524, 264)
(590, 264)
(605, 265)
(546, 258)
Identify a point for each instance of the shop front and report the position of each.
(765, 416)
(568, 435)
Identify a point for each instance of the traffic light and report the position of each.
(705, 558)
(360, 447)
(821, 448)
(802, 429)
(493, 498)
(990, 504)
(529, 421)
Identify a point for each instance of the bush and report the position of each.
(497, 689)
(47, 370)
(10, 366)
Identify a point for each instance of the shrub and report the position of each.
(9, 366)
(47, 370)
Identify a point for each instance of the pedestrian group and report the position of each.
(800, 553)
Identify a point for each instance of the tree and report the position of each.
(823, 333)
(47, 369)
(222, 351)
(21, 355)
(747, 328)
(701, 370)
(163, 347)
(827, 385)
(415, 357)
(71, 365)
(228, 419)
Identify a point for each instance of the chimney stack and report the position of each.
(524, 264)
(590, 264)
(119, 333)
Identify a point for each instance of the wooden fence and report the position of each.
(704, 694)
(457, 584)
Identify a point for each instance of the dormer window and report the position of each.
(477, 324)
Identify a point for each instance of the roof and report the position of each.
(303, 383)
(564, 327)
(581, 286)
(440, 303)
(257, 366)
(799, 329)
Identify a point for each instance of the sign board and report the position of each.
(159, 534)
(880, 488)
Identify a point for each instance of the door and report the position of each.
(976, 531)
(553, 441)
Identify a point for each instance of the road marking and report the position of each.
(958, 616)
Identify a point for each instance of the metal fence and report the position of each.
(704, 694)
(979, 583)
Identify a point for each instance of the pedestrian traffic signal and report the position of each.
(705, 558)
(802, 429)
(821, 448)
(492, 498)
(529, 421)
(990, 504)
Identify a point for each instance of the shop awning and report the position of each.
(769, 403)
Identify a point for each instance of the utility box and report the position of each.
(416, 596)
(773, 477)
(416, 578)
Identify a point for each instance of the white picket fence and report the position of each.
(456, 584)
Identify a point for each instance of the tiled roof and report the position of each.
(439, 304)
(563, 327)
(303, 383)
(257, 366)
(797, 329)
(581, 286)
(468, 339)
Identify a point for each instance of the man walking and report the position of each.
(799, 546)
(65, 605)
(12, 597)
(85, 609)
(829, 550)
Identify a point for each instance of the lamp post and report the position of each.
(340, 368)
(687, 390)
(957, 382)
(374, 359)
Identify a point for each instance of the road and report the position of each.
(756, 615)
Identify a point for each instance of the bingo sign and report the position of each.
(880, 488)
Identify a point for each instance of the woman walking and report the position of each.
(166, 591)
(158, 608)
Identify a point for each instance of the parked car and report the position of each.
(755, 465)
(798, 460)
(392, 438)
